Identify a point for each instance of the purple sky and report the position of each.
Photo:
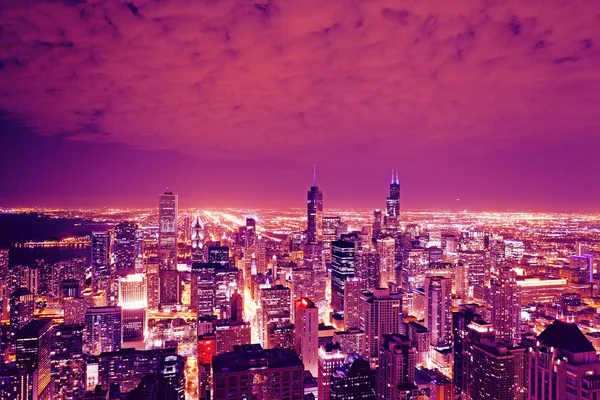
(230, 103)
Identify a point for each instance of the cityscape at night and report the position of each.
(299, 200)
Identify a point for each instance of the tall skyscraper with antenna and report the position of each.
(393, 205)
(167, 230)
(197, 239)
(314, 210)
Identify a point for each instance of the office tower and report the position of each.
(461, 319)
(506, 307)
(331, 358)
(126, 367)
(393, 206)
(70, 288)
(367, 268)
(218, 255)
(250, 232)
(462, 281)
(475, 262)
(381, 315)
(342, 268)
(25, 276)
(303, 282)
(386, 249)
(206, 351)
(10, 380)
(353, 288)
(153, 286)
(351, 341)
(307, 334)
(275, 309)
(170, 287)
(237, 307)
(314, 210)
(167, 230)
(101, 272)
(282, 337)
(68, 362)
(396, 372)
(203, 288)
(330, 227)
(438, 310)
(563, 365)
(21, 308)
(197, 239)
(231, 333)
(377, 223)
(33, 359)
(103, 329)
(133, 301)
(420, 339)
(269, 373)
(125, 246)
(227, 280)
(353, 380)
(74, 310)
(171, 378)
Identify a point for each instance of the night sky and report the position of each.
(230, 103)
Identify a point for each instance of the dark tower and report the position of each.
(314, 210)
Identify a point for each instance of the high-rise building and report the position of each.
(396, 372)
(353, 380)
(438, 310)
(203, 288)
(353, 288)
(268, 374)
(461, 320)
(229, 334)
(68, 362)
(420, 339)
(275, 309)
(167, 230)
(563, 364)
(218, 255)
(103, 330)
(33, 359)
(367, 268)
(386, 248)
(393, 205)
(21, 308)
(125, 246)
(330, 230)
(101, 268)
(171, 378)
(331, 358)
(133, 301)
(314, 210)
(506, 307)
(377, 223)
(307, 334)
(170, 287)
(381, 315)
(351, 341)
(197, 239)
(342, 268)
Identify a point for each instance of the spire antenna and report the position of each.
(397, 179)
(314, 175)
(392, 181)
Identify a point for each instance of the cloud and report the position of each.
(297, 79)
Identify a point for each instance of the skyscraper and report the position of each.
(167, 230)
(197, 239)
(314, 210)
(101, 243)
(21, 308)
(386, 248)
(461, 319)
(353, 288)
(381, 315)
(396, 372)
(353, 380)
(133, 301)
(170, 378)
(33, 359)
(506, 307)
(393, 205)
(307, 334)
(203, 288)
(68, 362)
(125, 246)
(342, 268)
(438, 309)
(331, 358)
(275, 309)
(104, 330)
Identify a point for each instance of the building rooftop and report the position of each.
(254, 357)
(565, 336)
(34, 329)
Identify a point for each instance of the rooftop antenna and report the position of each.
(392, 181)
(314, 175)
(397, 179)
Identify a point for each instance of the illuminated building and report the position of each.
(229, 334)
(170, 378)
(68, 362)
(513, 250)
(437, 385)
(303, 282)
(381, 315)
(506, 307)
(21, 308)
(227, 281)
(307, 334)
(314, 212)
(392, 217)
(236, 307)
(10, 380)
(462, 281)
(351, 341)
(353, 288)
(386, 248)
(367, 268)
(170, 287)
(396, 372)
(126, 367)
(536, 289)
(377, 223)
(26, 276)
(218, 255)
(74, 310)
(203, 288)
(461, 319)
(271, 373)
(342, 268)
(167, 231)
(133, 302)
(420, 339)
(33, 359)
(125, 246)
(152, 286)
(330, 226)
(197, 239)
(101, 245)
(281, 337)
(206, 350)
(353, 380)
(103, 330)
(275, 308)
(70, 288)
(331, 358)
(475, 263)
(438, 319)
